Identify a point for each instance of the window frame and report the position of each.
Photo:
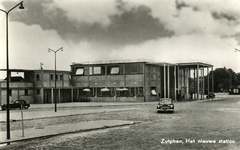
(83, 71)
(26, 92)
(37, 77)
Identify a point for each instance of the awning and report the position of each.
(105, 90)
(123, 89)
(86, 90)
(118, 89)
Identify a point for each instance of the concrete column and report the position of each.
(42, 95)
(175, 83)
(168, 82)
(212, 80)
(59, 96)
(198, 82)
(164, 78)
(208, 80)
(52, 95)
(203, 83)
(194, 82)
(144, 82)
(178, 81)
(189, 76)
(71, 94)
(77, 94)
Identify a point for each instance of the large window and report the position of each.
(153, 91)
(114, 70)
(97, 70)
(134, 69)
(80, 71)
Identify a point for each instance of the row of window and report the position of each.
(58, 77)
(111, 70)
(112, 91)
(26, 92)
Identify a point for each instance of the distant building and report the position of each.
(110, 81)
(37, 86)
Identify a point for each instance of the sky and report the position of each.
(171, 31)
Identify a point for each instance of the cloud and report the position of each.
(89, 11)
(124, 29)
(224, 16)
(186, 48)
(127, 26)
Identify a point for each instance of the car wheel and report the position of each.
(26, 107)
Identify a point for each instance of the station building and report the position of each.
(112, 81)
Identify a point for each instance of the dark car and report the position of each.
(211, 95)
(165, 105)
(16, 104)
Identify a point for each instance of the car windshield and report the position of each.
(165, 101)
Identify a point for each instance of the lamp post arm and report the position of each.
(59, 49)
(54, 50)
(51, 50)
(15, 6)
(3, 11)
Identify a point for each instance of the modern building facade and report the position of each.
(37, 86)
(112, 81)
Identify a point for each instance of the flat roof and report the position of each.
(194, 64)
(185, 64)
(147, 61)
(112, 62)
(31, 70)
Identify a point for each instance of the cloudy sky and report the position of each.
(93, 30)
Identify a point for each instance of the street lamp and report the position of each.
(55, 52)
(8, 114)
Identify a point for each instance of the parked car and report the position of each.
(165, 105)
(211, 95)
(16, 104)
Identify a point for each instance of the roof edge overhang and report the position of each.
(200, 64)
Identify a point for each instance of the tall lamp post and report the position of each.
(55, 52)
(8, 114)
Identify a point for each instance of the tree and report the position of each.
(224, 79)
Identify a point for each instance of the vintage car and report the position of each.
(165, 105)
(16, 104)
(211, 95)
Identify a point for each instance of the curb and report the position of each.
(70, 132)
